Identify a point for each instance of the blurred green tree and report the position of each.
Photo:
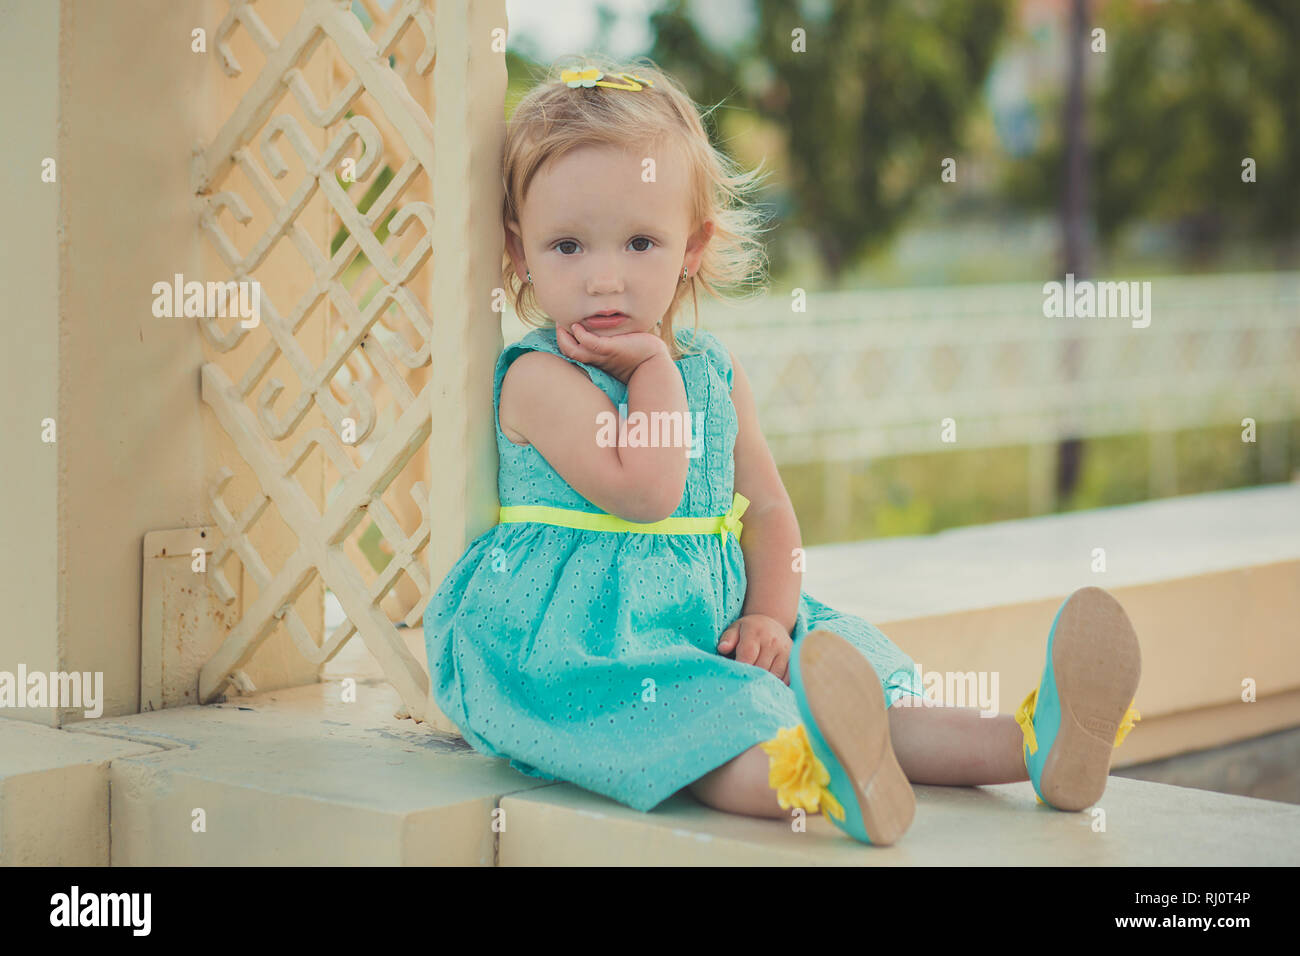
(871, 98)
(1184, 93)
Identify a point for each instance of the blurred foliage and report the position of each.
(373, 192)
(375, 547)
(869, 108)
(925, 494)
(1184, 92)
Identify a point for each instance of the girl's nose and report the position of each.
(606, 282)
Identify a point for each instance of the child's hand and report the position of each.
(619, 355)
(759, 640)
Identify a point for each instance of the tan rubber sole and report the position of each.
(848, 704)
(1097, 664)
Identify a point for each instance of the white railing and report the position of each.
(875, 374)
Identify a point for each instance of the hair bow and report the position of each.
(591, 76)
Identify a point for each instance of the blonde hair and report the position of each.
(553, 118)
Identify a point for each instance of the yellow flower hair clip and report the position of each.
(590, 76)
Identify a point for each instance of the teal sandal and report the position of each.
(840, 760)
(1082, 708)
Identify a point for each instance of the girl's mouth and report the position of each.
(607, 321)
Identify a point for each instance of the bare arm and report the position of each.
(771, 532)
(552, 404)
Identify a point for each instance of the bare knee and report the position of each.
(703, 788)
(707, 786)
(739, 786)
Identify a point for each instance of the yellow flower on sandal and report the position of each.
(796, 774)
(1131, 717)
(1025, 718)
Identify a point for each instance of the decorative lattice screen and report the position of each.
(319, 185)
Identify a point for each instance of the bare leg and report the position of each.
(740, 786)
(934, 744)
(955, 745)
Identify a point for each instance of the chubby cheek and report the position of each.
(559, 298)
(656, 285)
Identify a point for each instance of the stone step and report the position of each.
(54, 793)
(1136, 823)
(300, 777)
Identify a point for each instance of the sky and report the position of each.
(546, 29)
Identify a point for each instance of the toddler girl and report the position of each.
(614, 630)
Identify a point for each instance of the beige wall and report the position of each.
(113, 91)
(131, 450)
(29, 306)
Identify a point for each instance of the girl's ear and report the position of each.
(515, 247)
(695, 245)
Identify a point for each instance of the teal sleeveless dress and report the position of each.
(591, 656)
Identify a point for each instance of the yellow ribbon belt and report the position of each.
(591, 521)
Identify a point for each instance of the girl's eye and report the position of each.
(559, 246)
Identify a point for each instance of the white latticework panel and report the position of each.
(319, 185)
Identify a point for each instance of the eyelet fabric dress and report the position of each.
(590, 656)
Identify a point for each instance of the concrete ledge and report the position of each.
(1032, 559)
(1211, 583)
(299, 777)
(54, 794)
(1146, 824)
